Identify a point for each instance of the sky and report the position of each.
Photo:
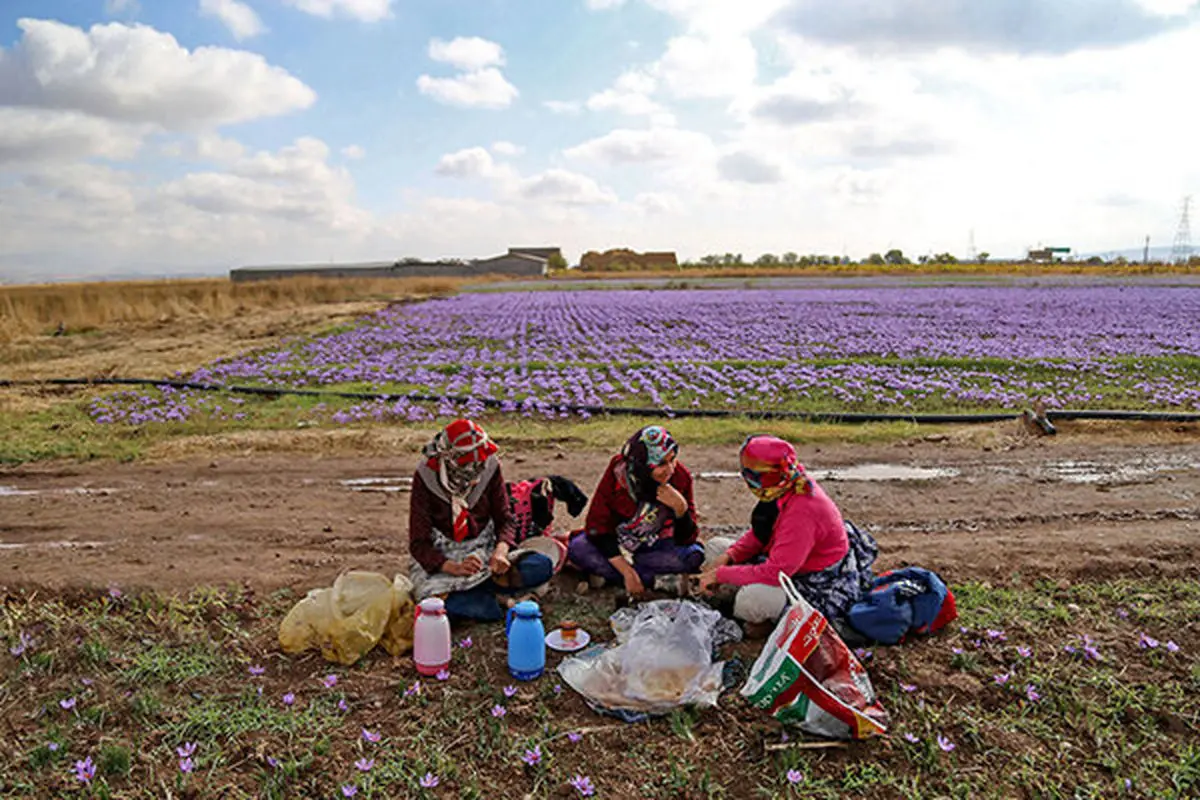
(192, 136)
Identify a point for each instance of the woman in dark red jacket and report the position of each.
(644, 507)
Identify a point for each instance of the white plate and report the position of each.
(554, 641)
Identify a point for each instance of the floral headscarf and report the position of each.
(771, 468)
(458, 454)
(645, 450)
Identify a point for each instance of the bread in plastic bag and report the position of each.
(345, 621)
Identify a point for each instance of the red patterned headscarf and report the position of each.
(771, 468)
(458, 454)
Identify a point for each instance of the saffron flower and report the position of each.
(583, 785)
(574, 736)
(52, 747)
(533, 757)
(945, 744)
(996, 636)
(465, 643)
(444, 675)
(509, 691)
(86, 681)
(908, 687)
(342, 705)
(1147, 643)
(794, 776)
(85, 770)
(371, 736)
(429, 780)
(863, 654)
(499, 711)
(1031, 693)
(67, 703)
(329, 681)
(186, 750)
(1000, 679)
(911, 739)
(23, 643)
(349, 790)
(289, 698)
(1172, 647)
(1123, 613)
(1024, 652)
(272, 762)
(557, 688)
(364, 764)
(958, 651)
(256, 670)
(413, 690)
(186, 765)
(114, 592)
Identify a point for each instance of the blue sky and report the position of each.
(196, 135)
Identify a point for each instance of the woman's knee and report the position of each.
(759, 603)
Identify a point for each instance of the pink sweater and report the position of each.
(809, 536)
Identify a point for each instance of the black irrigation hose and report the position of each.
(487, 402)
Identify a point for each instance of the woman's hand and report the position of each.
(708, 580)
(468, 566)
(499, 563)
(669, 496)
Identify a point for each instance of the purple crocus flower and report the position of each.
(371, 736)
(186, 765)
(364, 764)
(256, 669)
(945, 744)
(186, 750)
(415, 689)
(1031, 693)
(499, 711)
(52, 747)
(342, 705)
(908, 687)
(1024, 652)
(911, 739)
(443, 675)
(509, 691)
(1172, 647)
(329, 681)
(465, 643)
(85, 770)
(557, 689)
(349, 790)
(67, 703)
(574, 736)
(429, 780)
(996, 636)
(272, 762)
(289, 698)
(24, 642)
(1001, 679)
(533, 757)
(583, 785)
(114, 592)
(1123, 613)
(794, 776)
(1147, 643)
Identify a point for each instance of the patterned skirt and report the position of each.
(834, 589)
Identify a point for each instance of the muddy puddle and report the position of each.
(1142, 471)
(13, 491)
(861, 472)
(402, 484)
(61, 545)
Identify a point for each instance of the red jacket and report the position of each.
(612, 505)
(428, 511)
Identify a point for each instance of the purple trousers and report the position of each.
(664, 557)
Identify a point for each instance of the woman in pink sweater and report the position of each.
(796, 530)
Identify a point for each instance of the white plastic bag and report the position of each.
(664, 662)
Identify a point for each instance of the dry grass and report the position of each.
(82, 307)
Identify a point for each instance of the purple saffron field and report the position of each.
(888, 348)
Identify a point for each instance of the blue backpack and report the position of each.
(904, 601)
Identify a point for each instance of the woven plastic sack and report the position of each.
(807, 676)
(345, 621)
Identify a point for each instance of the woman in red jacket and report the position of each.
(460, 527)
(796, 530)
(644, 506)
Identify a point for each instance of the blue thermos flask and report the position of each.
(526, 641)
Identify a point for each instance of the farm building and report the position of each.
(522, 261)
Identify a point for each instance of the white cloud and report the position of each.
(34, 134)
(630, 95)
(562, 186)
(363, 10)
(507, 148)
(472, 162)
(485, 88)
(629, 146)
(468, 53)
(651, 203)
(746, 167)
(137, 74)
(565, 107)
(354, 152)
(708, 66)
(239, 18)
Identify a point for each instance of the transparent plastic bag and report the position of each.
(344, 622)
(664, 662)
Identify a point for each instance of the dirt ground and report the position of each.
(1072, 507)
